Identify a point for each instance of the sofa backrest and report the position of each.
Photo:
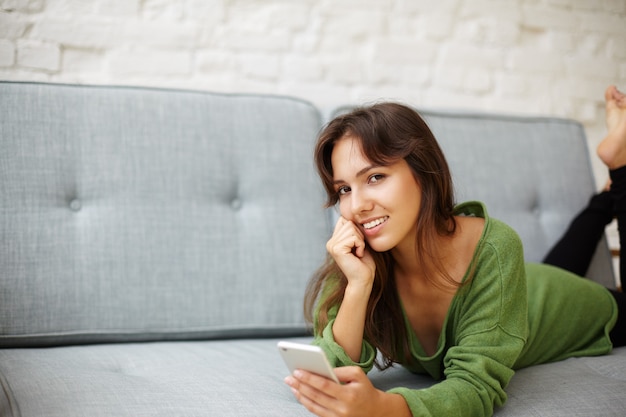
(130, 214)
(138, 214)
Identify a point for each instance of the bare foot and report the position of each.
(612, 149)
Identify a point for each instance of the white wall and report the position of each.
(552, 57)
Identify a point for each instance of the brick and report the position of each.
(7, 53)
(118, 8)
(469, 81)
(86, 32)
(305, 43)
(291, 17)
(615, 48)
(574, 4)
(388, 92)
(436, 26)
(457, 99)
(208, 12)
(592, 67)
(466, 55)
(22, 74)
(381, 73)
(489, 31)
(530, 59)
(248, 17)
(162, 33)
(592, 44)
(450, 78)
(335, 6)
(586, 112)
(420, 6)
(79, 60)
(508, 84)
(561, 41)
(614, 6)
(39, 55)
(497, 9)
(325, 95)
(403, 25)
(478, 81)
(610, 23)
(150, 62)
(24, 6)
(343, 70)
(162, 9)
(69, 8)
(259, 66)
(407, 51)
(12, 25)
(575, 86)
(355, 25)
(216, 61)
(304, 68)
(550, 18)
(245, 39)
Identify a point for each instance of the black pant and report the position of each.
(576, 247)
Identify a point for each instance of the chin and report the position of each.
(378, 246)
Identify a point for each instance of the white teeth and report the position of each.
(375, 223)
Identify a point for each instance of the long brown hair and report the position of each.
(387, 132)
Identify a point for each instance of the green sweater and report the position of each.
(508, 316)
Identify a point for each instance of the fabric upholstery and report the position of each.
(245, 378)
(137, 214)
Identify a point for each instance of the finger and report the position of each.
(316, 382)
(341, 221)
(348, 374)
(359, 246)
(314, 407)
(345, 239)
(316, 393)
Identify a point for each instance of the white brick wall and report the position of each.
(552, 57)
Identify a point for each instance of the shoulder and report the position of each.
(496, 235)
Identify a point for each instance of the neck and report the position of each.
(409, 266)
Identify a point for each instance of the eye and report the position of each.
(375, 178)
(343, 190)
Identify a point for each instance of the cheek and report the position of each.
(344, 209)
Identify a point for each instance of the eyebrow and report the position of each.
(358, 174)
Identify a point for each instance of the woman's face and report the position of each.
(382, 201)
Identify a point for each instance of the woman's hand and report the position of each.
(348, 249)
(356, 396)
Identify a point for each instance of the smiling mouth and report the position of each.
(374, 223)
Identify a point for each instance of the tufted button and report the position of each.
(76, 205)
(235, 204)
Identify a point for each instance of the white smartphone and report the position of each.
(306, 357)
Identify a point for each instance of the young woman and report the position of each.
(438, 288)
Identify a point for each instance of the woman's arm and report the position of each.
(347, 247)
(350, 321)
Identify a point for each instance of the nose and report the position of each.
(360, 202)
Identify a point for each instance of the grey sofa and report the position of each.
(155, 244)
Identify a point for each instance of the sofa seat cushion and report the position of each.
(245, 378)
